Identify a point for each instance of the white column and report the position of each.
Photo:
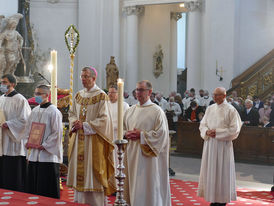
(132, 66)
(193, 54)
(175, 16)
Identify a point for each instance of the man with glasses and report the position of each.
(91, 165)
(220, 125)
(16, 110)
(147, 152)
(44, 159)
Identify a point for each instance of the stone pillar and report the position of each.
(193, 54)
(132, 67)
(175, 16)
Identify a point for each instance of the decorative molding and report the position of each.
(193, 5)
(176, 15)
(134, 10)
(127, 3)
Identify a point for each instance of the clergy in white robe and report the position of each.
(220, 125)
(113, 106)
(91, 165)
(147, 153)
(16, 110)
(113, 97)
(43, 166)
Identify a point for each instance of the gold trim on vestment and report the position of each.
(102, 148)
(153, 149)
(81, 189)
(90, 100)
(80, 179)
(147, 151)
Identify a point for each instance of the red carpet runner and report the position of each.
(183, 193)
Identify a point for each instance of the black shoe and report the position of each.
(212, 204)
(171, 172)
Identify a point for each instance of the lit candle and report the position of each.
(120, 84)
(53, 55)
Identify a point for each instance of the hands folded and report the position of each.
(211, 133)
(133, 134)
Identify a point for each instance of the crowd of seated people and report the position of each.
(192, 107)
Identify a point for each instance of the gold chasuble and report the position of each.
(91, 165)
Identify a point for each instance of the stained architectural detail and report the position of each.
(158, 62)
(134, 10)
(193, 5)
(176, 15)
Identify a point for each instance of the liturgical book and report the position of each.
(36, 134)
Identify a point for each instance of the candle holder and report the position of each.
(120, 176)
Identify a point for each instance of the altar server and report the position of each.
(45, 159)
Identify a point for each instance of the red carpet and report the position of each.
(8, 197)
(183, 193)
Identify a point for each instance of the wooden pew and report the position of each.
(254, 144)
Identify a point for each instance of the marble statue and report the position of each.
(158, 62)
(11, 43)
(2, 54)
(112, 72)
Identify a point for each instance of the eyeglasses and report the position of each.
(85, 77)
(38, 93)
(141, 90)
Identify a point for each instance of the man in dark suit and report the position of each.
(258, 104)
(271, 119)
(250, 115)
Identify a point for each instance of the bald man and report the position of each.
(220, 125)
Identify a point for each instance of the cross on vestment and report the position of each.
(84, 110)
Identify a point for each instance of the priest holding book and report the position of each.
(16, 111)
(44, 131)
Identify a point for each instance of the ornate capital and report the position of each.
(134, 10)
(193, 5)
(53, 1)
(176, 15)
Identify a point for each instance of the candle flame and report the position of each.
(50, 67)
(120, 80)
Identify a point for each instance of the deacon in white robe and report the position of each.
(91, 164)
(113, 107)
(43, 166)
(113, 97)
(220, 125)
(16, 110)
(147, 152)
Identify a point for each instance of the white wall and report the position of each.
(8, 7)
(50, 22)
(254, 32)
(218, 24)
(154, 29)
(236, 34)
(99, 27)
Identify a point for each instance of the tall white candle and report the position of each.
(120, 84)
(53, 55)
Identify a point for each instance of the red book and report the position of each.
(36, 134)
